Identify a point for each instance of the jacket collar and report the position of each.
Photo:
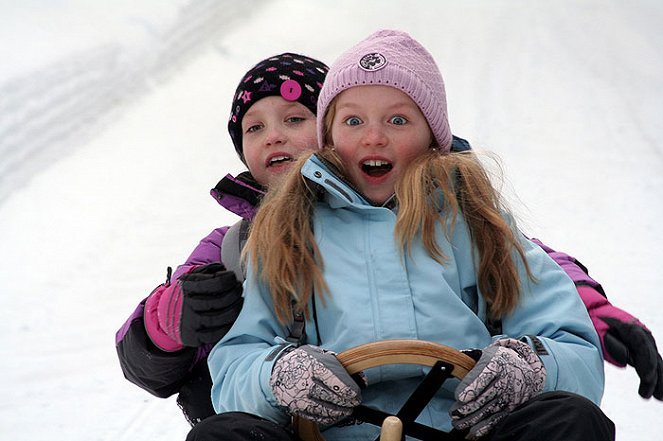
(337, 190)
(240, 194)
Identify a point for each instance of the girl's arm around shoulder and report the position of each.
(147, 365)
(207, 251)
(572, 267)
(552, 318)
(241, 363)
(600, 310)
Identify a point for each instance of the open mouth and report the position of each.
(376, 167)
(278, 160)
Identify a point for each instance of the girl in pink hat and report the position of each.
(387, 234)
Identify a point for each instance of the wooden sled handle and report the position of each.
(380, 353)
(392, 429)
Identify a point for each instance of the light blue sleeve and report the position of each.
(241, 363)
(555, 322)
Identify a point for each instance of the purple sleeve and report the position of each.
(207, 251)
(138, 313)
(574, 269)
(144, 364)
(592, 295)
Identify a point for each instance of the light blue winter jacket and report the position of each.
(377, 293)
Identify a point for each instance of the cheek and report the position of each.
(306, 139)
(307, 142)
(342, 140)
(251, 156)
(417, 147)
(347, 157)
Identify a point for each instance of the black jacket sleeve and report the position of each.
(163, 373)
(160, 373)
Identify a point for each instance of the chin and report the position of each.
(378, 200)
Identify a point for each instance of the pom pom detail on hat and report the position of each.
(291, 76)
(391, 58)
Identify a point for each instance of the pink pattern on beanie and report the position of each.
(391, 58)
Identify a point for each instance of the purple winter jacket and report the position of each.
(185, 371)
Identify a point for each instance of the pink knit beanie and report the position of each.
(390, 58)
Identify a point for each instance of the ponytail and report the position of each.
(282, 246)
(465, 186)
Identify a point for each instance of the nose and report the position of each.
(374, 136)
(274, 136)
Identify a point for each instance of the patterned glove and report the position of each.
(631, 343)
(198, 309)
(508, 374)
(310, 382)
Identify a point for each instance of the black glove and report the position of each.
(631, 343)
(211, 301)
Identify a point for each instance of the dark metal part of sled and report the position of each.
(444, 361)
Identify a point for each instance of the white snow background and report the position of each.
(112, 132)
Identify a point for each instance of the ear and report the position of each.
(433, 142)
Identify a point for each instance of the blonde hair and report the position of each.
(465, 187)
(282, 242)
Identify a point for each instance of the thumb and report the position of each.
(645, 362)
(617, 350)
(640, 351)
(617, 341)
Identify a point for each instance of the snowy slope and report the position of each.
(568, 93)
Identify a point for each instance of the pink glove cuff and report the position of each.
(598, 306)
(154, 317)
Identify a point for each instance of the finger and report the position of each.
(463, 409)
(462, 421)
(482, 376)
(212, 335)
(322, 413)
(209, 283)
(617, 350)
(214, 302)
(484, 427)
(210, 319)
(328, 371)
(645, 360)
(485, 381)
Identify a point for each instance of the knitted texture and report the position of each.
(391, 58)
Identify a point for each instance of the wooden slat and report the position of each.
(420, 352)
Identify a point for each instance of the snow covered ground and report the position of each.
(112, 131)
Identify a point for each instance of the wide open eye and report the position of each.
(353, 121)
(398, 120)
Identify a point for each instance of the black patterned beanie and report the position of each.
(291, 76)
